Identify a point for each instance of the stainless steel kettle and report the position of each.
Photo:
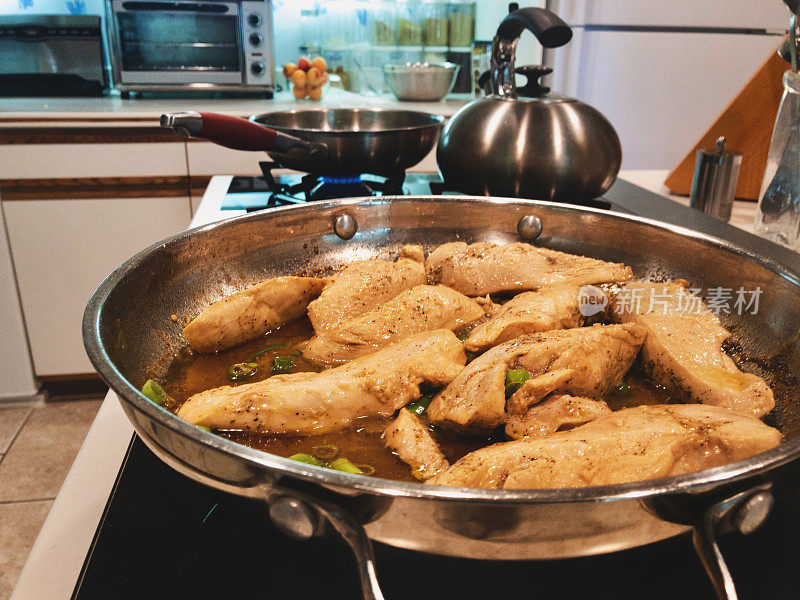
(542, 146)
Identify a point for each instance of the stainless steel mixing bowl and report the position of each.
(421, 81)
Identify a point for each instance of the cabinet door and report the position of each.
(63, 249)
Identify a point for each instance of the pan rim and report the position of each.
(436, 121)
(695, 482)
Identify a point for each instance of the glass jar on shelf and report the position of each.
(436, 23)
(384, 24)
(461, 24)
(410, 18)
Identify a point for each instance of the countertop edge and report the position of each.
(145, 112)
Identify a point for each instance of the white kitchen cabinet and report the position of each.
(68, 161)
(17, 379)
(62, 249)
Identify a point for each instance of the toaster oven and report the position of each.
(160, 45)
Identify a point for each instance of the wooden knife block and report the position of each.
(747, 124)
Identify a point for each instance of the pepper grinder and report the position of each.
(716, 173)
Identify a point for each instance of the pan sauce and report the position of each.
(191, 373)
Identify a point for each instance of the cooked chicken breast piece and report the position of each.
(683, 349)
(414, 445)
(482, 268)
(556, 412)
(251, 312)
(587, 361)
(413, 251)
(633, 444)
(552, 307)
(360, 287)
(422, 308)
(310, 403)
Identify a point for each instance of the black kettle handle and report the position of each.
(549, 28)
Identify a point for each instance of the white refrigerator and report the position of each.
(662, 72)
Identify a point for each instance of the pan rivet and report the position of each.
(529, 227)
(754, 512)
(345, 226)
(293, 518)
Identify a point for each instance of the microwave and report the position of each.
(51, 55)
(162, 46)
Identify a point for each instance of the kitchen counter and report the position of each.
(60, 549)
(20, 112)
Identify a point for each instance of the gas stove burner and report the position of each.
(313, 187)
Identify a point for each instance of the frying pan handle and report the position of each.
(744, 512)
(302, 516)
(235, 133)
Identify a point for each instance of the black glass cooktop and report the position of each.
(164, 536)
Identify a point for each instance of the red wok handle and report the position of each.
(236, 133)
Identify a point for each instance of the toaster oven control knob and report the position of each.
(254, 19)
(257, 68)
(256, 39)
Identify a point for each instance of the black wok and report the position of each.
(329, 141)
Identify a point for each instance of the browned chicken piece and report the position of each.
(587, 361)
(311, 403)
(422, 308)
(482, 268)
(414, 445)
(633, 444)
(554, 413)
(683, 350)
(414, 252)
(252, 312)
(360, 287)
(553, 307)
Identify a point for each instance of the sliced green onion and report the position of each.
(367, 470)
(154, 392)
(204, 428)
(282, 364)
(296, 353)
(419, 406)
(514, 380)
(264, 351)
(624, 388)
(308, 459)
(462, 335)
(325, 451)
(241, 371)
(344, 465)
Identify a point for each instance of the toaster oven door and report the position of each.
(174, 43)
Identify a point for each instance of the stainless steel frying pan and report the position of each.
(129, 337)
(340, 141)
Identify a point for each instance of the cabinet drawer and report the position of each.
(62, 250)
(32, 161)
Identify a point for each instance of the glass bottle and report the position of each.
(778, 214)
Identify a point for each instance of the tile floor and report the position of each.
(38, 443)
